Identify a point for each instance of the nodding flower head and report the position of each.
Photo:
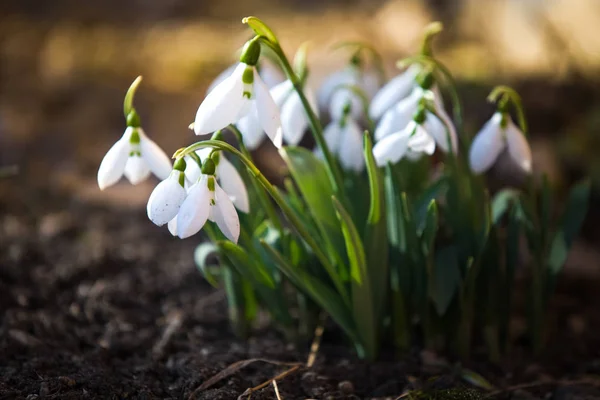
(498, 134)
(238, 95)
(135, 156)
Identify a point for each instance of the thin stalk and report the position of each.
(287, 210)
(333, 172)
(264, 201)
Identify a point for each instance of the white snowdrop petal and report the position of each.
(444, 135)
(252, 132)
(113, 164)
(233, 184)
(398, 117)
(391, 148)
(369, 83)
(270, 73)
(222, 105)
(333, 136)
(268, 112)
(192, 171)
(221, 77)
(329, 85)
(293, 119)
(421, 141)
(156, 159)
(487, 145)
(518, 147)
(172, 226)
(392, 92)
(351, 147)
(165, 200)
(194, 210)
(225, 216)
(281, 92)
(136, 170)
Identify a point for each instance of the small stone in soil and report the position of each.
(346, 387)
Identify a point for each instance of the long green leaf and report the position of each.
(572, 220)
(446, 278)
(246, 266)
(502, 202)
(423, 202)
(310, 175)
(323, 295)
(365, 316)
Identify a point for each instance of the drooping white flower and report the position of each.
(294, 120)
(409, 142)
(499, 133)
(392, 92)
(167, 196)
(241, 93)
(135, 156)
(345, 140)
(226, 174)
(206, 200)
(332, 96)
(399, 116)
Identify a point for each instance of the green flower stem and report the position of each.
(289, 213)
(128, 101)
(376, 57)
(333, 171)
(262, 198)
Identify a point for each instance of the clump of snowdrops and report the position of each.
(387, 226)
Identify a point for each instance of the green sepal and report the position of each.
(260, 28)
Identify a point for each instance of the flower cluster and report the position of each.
(385, 225)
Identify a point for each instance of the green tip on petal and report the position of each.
(128, 101)
(419, 116)
(211, 184)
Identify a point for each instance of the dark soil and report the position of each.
(98, 303)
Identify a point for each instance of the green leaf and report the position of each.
(423, 202)
(249, 268)
(572, 220)
(202, 255)
(365, 315)
(446, 278)
(431, 227)
(310, 175)
(323, 295)
(354, 246)
(502, 202)
(374, 181)
(376, 240)
(476, 379)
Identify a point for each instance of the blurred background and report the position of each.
(66, 64)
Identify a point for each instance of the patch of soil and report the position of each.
(98, 303)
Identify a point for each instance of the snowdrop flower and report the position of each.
(394, 91)
(226, 174)
(332, 98)
(399, 116)
(345, 139)
(135, 156)
(294, 120)
(410, 142)
(241, 93)
(499, 133)
(206, 200)
(168, 195)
